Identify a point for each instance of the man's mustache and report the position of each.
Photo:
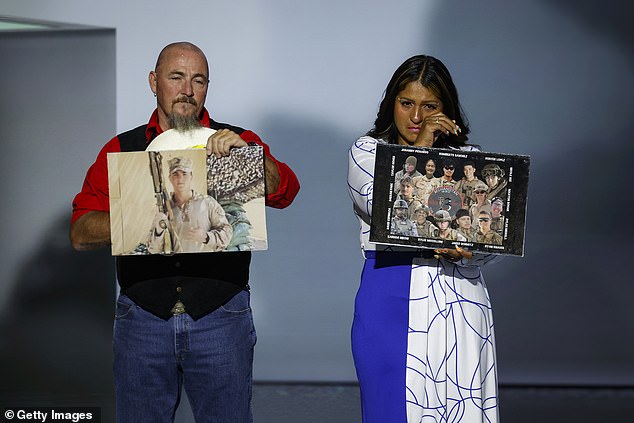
(189, 100)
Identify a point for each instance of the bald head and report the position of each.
(181, 45)
(180, 82)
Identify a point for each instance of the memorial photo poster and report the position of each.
(181, 201)
(443, 198)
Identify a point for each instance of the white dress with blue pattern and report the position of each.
(449, 346)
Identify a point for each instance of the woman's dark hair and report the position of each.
(433, 75)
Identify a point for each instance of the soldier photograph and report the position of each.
(485, 235)
(444, 230)
(401, 224)
(424, 226)
(494, 176)
(445, 203)
(464, 225)
(497, 218)
(193, 222)
(480, 191)
(407, 193)
(409, 169)
(466, 185)
(448, 169)
(425, 184)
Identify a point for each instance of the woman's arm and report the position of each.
(361, 157)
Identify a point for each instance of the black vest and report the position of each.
(201, 281)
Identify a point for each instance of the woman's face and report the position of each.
(430, 168)
(411, 107)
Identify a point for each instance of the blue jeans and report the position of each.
(212, 357)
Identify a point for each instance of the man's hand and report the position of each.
(222, 141)
(160, 223)
(453, 255)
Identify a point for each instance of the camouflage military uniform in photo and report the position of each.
(490, 237)
(497, 224)
(496, 191)
(403, 226)
(412, 205)
(426, 230)
(444, 183)
(452, 235)
(400, 175)
(411, 160)
(470, 234)
(475, 210)
(466, 188)
(424, 187)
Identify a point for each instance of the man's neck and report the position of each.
(181, 198)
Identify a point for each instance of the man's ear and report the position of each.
(152, 81)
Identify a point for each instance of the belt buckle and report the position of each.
(179, 308)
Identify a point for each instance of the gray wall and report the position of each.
(58, 91)
(549, 79)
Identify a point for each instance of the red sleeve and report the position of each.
(289, 185)
(94, 195)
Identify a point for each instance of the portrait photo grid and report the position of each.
(443, 198)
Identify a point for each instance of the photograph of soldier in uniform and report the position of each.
(464, 225)
(409, 169)
(401, 224)
(485, 235)
(480, 191)
(193, 222)
(448, 169)
(424, 226)
(465, 185)
(443, 227)
(426, 183)
(181, 201)
(497, 219)
(494, 176)
(406, 192)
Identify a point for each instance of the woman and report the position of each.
(426, 184)
(481, 202)
(422, 336)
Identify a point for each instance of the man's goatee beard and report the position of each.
(183, 123)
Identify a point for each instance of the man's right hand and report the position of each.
(221, 142)
(160, 223)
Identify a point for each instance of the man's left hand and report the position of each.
(222, 141)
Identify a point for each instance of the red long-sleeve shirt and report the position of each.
(94, 195)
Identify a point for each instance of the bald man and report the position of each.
(182, 319)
